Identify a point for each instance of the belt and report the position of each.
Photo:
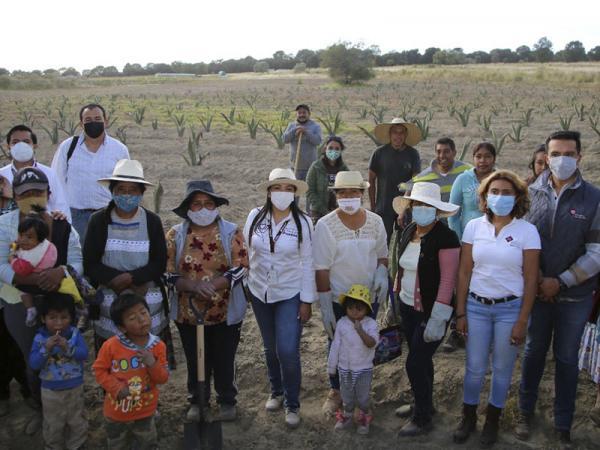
(492, 301)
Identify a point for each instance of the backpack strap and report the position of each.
(72, 148)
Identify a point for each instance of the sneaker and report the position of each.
(34, 425)
(227, 412)
(333, 402)
(404, 411)
(523, 426)
(292, 418)
(193, 414)
(343, 420)
(274, 403)
(364, 420)
(412, 429)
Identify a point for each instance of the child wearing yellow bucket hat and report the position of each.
(351, 354)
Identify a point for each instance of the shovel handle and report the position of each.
(298, 148)
(200, 352)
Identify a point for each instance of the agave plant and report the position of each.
(463, 114)
(180, 122)
(465, 149)
(157, 197)
(526, 117)
(517, 132)
(565, 121)
(423, 125)
(252, 125)
(206, 120)
(194, 156)
(52, 132)
(332, 122)
(485, 122)
(498, 141)
(138, 114)
(369, 135)
(229, 117)
(594, 124)
(276, 130)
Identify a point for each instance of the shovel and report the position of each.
(204, 434)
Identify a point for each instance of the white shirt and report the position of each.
(85, 168)
(349, 255)
(57, 200)
(277, 276)
(409, 260)
(348, 351)
(498, 260)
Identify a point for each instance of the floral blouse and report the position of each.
(203, 258)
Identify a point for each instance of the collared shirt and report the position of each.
(287, 271)
(498, 260)
(57, 200)
(432, 174)
(80, 175)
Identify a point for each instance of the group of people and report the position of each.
(468, 248)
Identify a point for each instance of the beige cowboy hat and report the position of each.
(278, 176)
(428, 193)
(126, 170)
(382, 131)
(349, 180)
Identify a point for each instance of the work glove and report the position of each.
(379, 290)
(436, 325)
(327, 315)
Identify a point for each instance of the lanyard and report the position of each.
(272, 240)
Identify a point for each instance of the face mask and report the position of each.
(501, 205)
(349, 205)
(26, 204)
(203, 217)
(93, 129)
(333, 154)
(424, 215)
(21, 152)
(562, 167)
(127, 203)
(282, 200)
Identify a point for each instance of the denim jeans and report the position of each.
(565, 321)
(490, 329)
(79, 220)
(419, 362)
(281, 329)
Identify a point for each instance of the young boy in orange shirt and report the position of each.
(128, 367)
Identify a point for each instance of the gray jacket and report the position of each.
(308, 148)
(570, 233)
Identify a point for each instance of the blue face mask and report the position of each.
(424, 215)
(127, 203)
(501, 205)
(332, 154)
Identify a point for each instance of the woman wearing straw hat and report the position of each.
(395, 162)
(206, 260)
(321, 176)
(281, 281)
(350, 248)
(125, 248)
(424, 264)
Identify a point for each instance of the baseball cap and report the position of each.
(29, 178)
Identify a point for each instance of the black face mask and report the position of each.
(93, 129)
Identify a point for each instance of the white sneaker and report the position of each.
(193, 414)
(274, 403)
(292, 418)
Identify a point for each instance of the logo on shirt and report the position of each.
(509, 239)
(573, 212)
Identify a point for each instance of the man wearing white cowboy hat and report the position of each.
(350, 248)
(394, 162)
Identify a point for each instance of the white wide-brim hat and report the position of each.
(349, 180)
(428, 193)
(129, 170)
(285, 176)
(382, 131)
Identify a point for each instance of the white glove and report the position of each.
(379, 290)
(436, 325)
(327, 315)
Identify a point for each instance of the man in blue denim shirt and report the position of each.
(565, 210)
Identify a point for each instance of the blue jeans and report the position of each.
(281, 329)
(490, 329)
(79, 220)
(566, 321)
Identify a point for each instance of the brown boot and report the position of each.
(332, 403)
(467, 424)
(489, 434)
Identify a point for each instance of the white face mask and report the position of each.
(21, 152)
(282, 200)
(349, 205)
(562, 167)
(203, 217)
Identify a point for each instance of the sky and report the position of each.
(42, 34)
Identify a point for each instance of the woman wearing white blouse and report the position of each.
(281, 281)
(497, 285)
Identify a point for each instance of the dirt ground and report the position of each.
(236, 163)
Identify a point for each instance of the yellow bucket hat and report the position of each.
(357, 292)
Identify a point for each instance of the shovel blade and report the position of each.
(202, 436)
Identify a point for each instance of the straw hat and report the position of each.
(357, 292)
(349, 180)
(126, 170)
(382, 131)
(194, 187)
(428, 193)
(279, 176)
